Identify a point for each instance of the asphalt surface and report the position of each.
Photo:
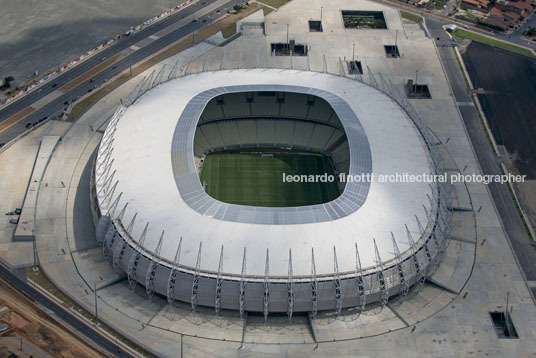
(54, 108)
(519, 239)
(514, 37)
(79, 326)
(509, 82)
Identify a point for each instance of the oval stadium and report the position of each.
(196, 184)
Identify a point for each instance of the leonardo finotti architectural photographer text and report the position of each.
(405, 178)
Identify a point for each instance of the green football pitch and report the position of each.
(254, 177)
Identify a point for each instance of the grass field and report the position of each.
(462, 34)
(410, 16)
(272, 3)
(249, 177)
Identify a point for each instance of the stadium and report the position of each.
(193, 206)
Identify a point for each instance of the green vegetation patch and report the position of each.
(273, 3)
(410, 16)
(463, 34)
(254, 177)
(228, 30)
(363, 19)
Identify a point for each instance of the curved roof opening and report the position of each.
(185, 155)
(271, 149)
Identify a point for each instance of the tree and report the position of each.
(7, 81)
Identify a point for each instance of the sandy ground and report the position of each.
(39, 35)
(32, 325)
(10, 346)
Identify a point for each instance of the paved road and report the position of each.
(81, 327)
(514, 38)
(56, 106)
(519, 239)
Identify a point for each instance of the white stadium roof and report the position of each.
(143, 164)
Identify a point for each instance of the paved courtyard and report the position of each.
(448, 316)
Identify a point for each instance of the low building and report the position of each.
(479, 5)
(521, 7)
(499, 23)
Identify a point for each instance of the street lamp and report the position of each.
(416, 78)
(288, 45)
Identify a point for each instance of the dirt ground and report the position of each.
(10, 346)
(41, 336)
